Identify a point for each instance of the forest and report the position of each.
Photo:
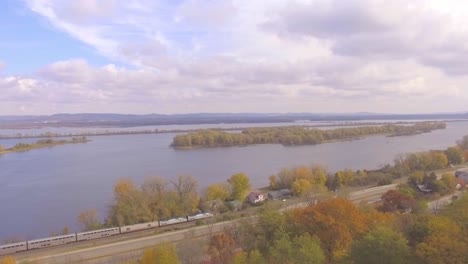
(296, 135)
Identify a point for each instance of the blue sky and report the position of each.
(28, 42)
(162, 56)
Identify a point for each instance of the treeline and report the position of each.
(160, 199)
(43, 143)
(305, 179)
(289, 136)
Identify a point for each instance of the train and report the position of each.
(95, 234)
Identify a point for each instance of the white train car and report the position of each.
(173, 221)
(51, 241)
(13, 248)
(199, 216)
(97, 233)
(136, 227)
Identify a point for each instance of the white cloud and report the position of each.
(265, 56)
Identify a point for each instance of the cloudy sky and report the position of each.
(181, 56)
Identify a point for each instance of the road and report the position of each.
(108, 250)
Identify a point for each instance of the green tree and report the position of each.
(160, 254)
(240, 185)
(455, 155)
(307, 250)
(381, 245)
(255, 257)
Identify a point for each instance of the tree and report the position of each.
(255, 257)
(454, 155)
(160, 254)
(222, 248)
(274, 185)
(218, 191)
(446, 243)
(88, 220)
(240, 185)
(65, 231)
(381, 245)
(336, 222)
(307, 250)
(239, 258)
(155, 192)
(301, 187)
(130, 206)
(186, 191)
(463, 143)
(8, 260)
(393, 201)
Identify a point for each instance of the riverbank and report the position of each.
(44, 143)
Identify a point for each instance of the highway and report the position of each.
(115, 249)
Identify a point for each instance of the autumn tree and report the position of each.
(88, 220)
(446, 243)
(335, 222)
(394, 201)
(160, 254)
(130, 206)
(155, 190)
(222, 248)
(220, 191)
(186, 192)
(301, 187)
(240, 185)
(8, 260)
(65, 231)
(381, 245)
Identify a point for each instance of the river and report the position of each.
(44, 190)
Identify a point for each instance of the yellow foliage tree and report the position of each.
(160, 254)
(218, 191)
(301, 187)
(8, 260)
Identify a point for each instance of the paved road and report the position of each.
(119, 248)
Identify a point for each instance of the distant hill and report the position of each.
(127, 120)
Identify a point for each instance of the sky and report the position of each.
(186, 56)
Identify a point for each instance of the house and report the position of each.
(256, 197)
(280, 194)
(462, 177)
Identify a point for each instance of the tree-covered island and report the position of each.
(43, 143)
(295, 135)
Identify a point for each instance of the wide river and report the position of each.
(44, 190)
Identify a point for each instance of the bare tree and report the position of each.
(186, 190)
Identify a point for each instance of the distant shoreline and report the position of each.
(158, 131)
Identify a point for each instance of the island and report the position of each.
(294, 135)
(43, 143)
